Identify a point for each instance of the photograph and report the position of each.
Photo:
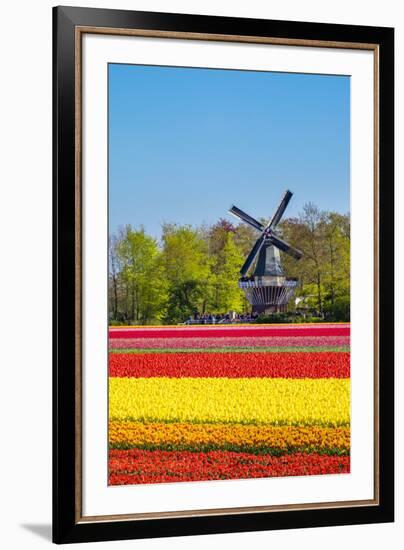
(229, 270)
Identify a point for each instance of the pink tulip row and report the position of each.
(242, 341)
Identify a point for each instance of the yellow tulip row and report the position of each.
(276, 401)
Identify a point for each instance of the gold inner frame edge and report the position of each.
(79, 32)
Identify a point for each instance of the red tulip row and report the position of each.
(230, 365)
(143, 466)
(232, 332)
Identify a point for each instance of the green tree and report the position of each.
(244, 238)
(323, 271)
(113, 277)
(186, 265)
(337, 274)
(216, 236)
(142, 276)
(225, 293)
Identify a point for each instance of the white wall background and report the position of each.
(25, 319)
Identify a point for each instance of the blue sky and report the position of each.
(185, 144)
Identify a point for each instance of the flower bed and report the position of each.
(203, 403)
(224, 342)
(230, 365)
(140, 466)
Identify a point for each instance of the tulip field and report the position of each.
(196, 403)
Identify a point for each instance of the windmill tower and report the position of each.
(267, 289)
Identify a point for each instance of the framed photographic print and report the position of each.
(223, 275)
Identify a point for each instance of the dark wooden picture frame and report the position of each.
(69, 24)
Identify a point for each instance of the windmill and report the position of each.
(267, 288)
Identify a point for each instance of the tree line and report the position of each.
(196, 269)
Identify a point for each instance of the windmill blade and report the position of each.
(276, 218)
(285, 247)
(246, 218)
(252, 255)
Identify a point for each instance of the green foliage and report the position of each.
(196, 270)
(187, 269)
(184, 254)
(275, 318)
(115, 323)
(324, 270)
(339, 310)
(288, 318)
(141, 277)
(184, 299)
(225, 294)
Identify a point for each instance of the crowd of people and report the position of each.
(220, 318)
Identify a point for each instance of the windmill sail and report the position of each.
(276, 218)
(285, 247)
(246, 218)
(252, 255)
